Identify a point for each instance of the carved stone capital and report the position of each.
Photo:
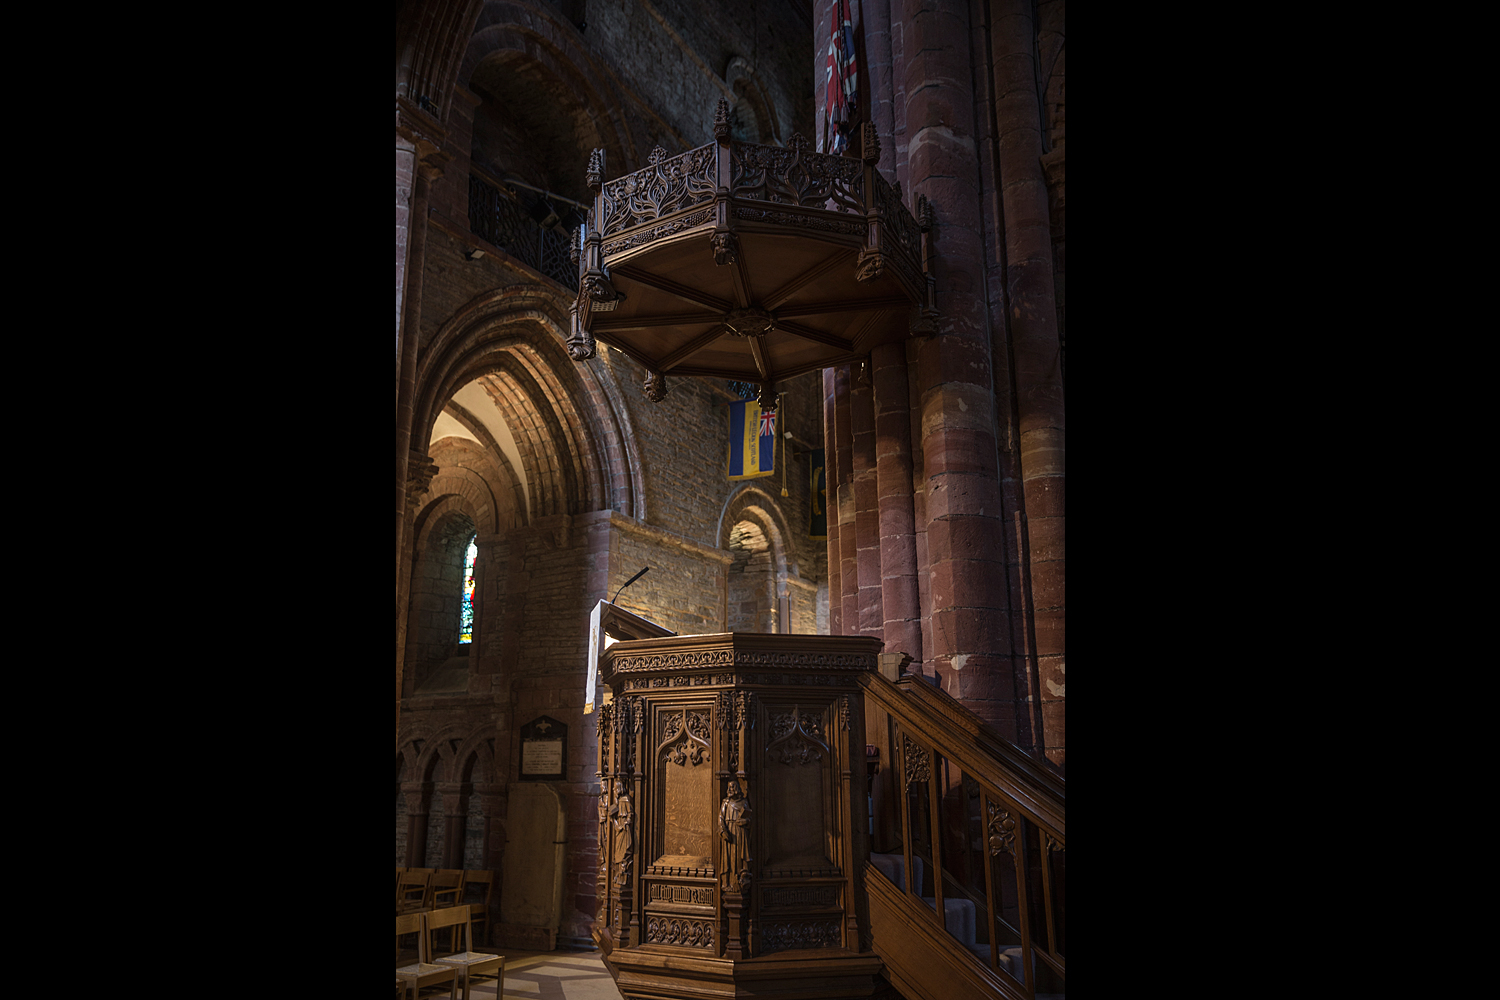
(419, 472)
(432, 164)
(419, 127)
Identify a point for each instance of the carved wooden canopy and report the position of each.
(750, 263)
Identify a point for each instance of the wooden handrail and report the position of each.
(934, 717)
(924, 720)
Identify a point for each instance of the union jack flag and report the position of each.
(767, 423)
(843, 78)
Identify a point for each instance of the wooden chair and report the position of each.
(423, 973)
(446, 889)
(480, 911)
(472, 963)
(411, 890)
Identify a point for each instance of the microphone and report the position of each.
(629, 582)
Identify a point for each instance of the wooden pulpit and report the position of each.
(733, 816)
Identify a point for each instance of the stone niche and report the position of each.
(732, 816)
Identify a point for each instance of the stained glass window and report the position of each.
(466, 619)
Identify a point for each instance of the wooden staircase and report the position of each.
(966, 874)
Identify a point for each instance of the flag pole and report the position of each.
(781, 408)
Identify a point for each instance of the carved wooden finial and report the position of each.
(575, 246)
(655, 387)
(925, 215)
(869, 143)
(656, 155)
(797, 143)
(594, 178)
(721, 120)
(767, 398)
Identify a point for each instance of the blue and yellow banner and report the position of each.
(817, 525)
(752, 440)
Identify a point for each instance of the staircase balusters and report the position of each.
(972, 831)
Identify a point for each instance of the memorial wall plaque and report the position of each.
(544, 750)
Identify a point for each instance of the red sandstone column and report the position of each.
(866, 505)
(1035, 349)
(848, 540)
(900, 28)
(898, 552)
(875, 16)
(830, 507)
(970, 638)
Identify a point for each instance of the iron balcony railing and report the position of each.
(497, 216)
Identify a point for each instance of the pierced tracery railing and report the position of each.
(797, 176)
(718, 185)
(666, 185)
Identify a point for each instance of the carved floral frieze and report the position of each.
(743, 658)
(783, 936)
(682, 931)
(658, 232)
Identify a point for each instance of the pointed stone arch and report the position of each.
(573, 439)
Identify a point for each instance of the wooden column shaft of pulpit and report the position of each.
(732, 814)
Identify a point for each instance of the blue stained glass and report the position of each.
(466, 620)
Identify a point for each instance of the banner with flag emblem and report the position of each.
(752, 440)
(817, 523)
(843, 81)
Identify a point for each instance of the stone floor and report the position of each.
(547, 975)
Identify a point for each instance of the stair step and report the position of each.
(960, 918)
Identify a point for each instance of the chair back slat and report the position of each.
(447, 917)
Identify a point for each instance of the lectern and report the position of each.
(733, 817)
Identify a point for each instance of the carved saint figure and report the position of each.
(624, 838)
(734, 827)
